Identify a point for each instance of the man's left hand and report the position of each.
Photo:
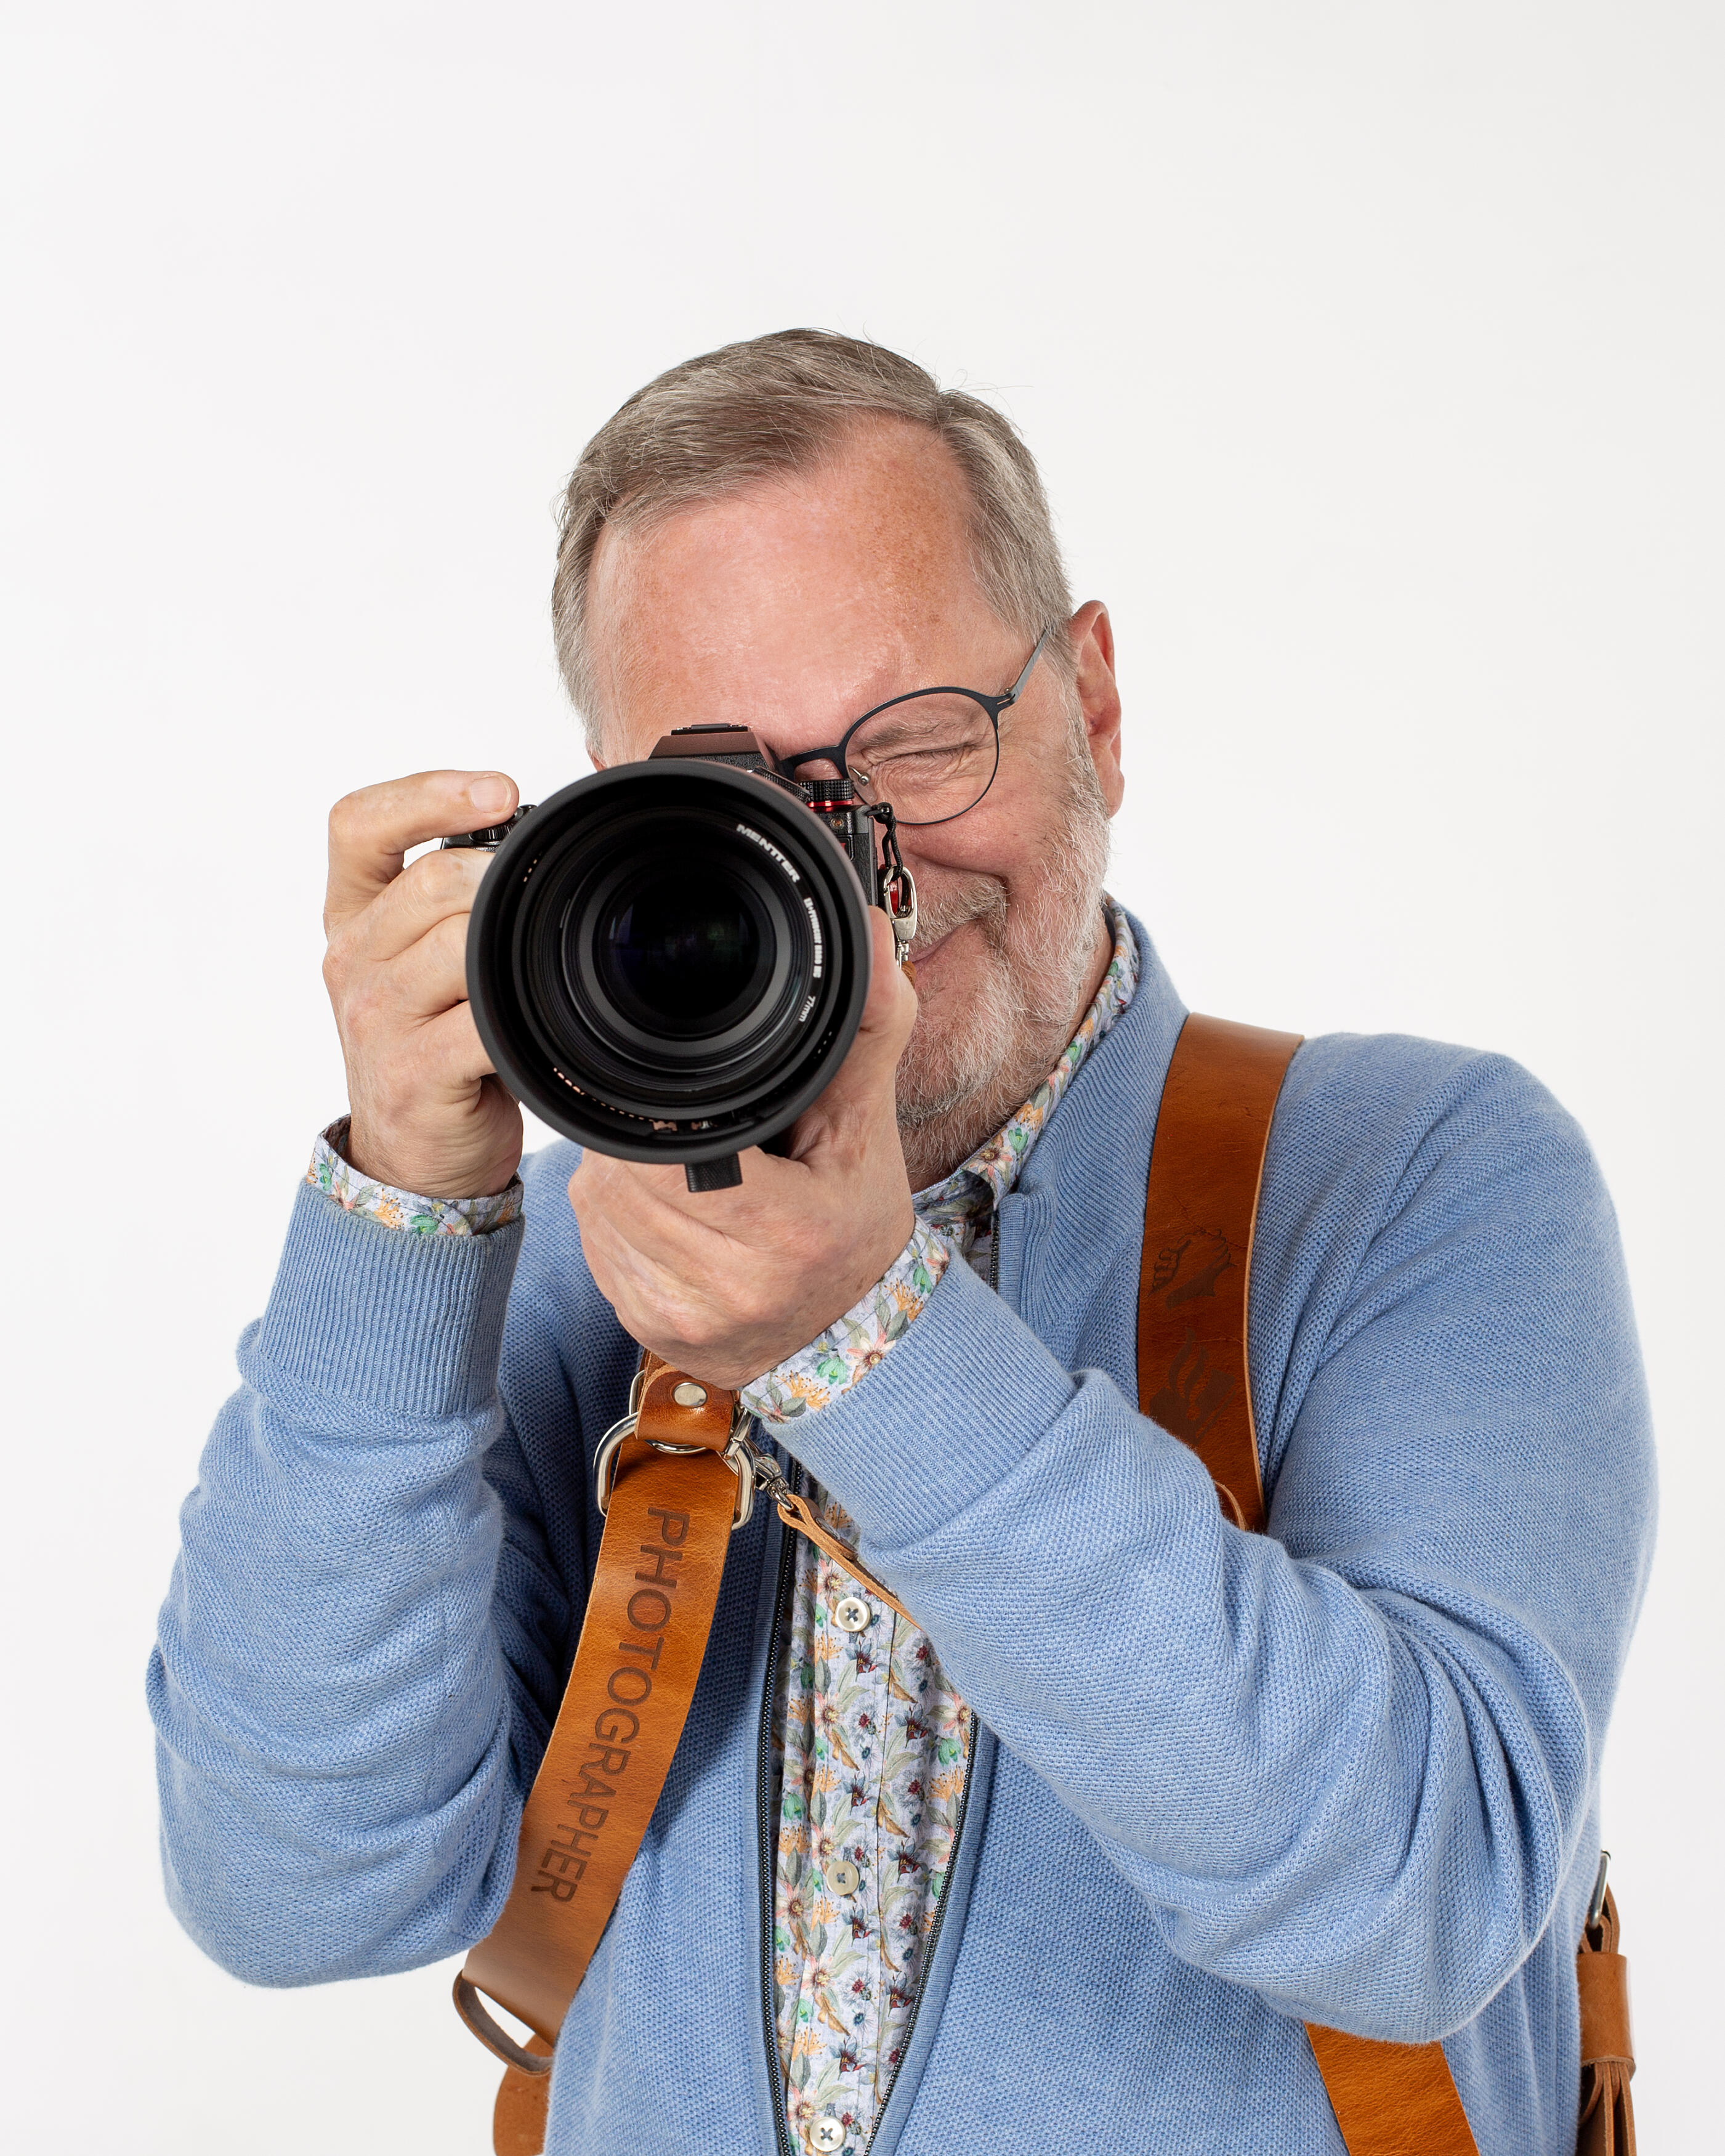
(727, 1284)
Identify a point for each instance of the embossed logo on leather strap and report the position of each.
(673, 1478)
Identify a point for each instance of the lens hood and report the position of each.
(668, 961)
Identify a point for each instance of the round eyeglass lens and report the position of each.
(931, 757)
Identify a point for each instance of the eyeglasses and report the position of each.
(929, 756)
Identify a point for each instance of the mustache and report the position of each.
(979, 898)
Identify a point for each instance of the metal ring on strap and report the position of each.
(470, 2005)
(739, 1456)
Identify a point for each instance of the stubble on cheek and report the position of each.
(965, 1016)
(1005, 991)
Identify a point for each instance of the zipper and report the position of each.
(958, 1825)
(766, 1828)
(952, 1866)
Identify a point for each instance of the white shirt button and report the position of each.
(827, 2134)
(842, 1877)
(851, 1613)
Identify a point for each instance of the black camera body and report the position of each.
(667, 961)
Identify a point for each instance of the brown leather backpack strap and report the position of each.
(673, 1490)
(1200, 1208)
(1194, 1378)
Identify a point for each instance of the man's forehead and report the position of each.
(796, 595)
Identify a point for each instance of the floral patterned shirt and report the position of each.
(331, 1172)
(871, 1739)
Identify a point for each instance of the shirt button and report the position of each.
(827, 2134)
(851, 1613)
(842, 1877)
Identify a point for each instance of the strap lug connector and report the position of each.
(739, 1456)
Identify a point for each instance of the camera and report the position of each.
(667, 961)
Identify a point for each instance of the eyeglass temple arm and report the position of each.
(1013, 694)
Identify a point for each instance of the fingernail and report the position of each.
(491, 794)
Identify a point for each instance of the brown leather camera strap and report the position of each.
(673, 1489)
(1608, 2051)
(650, 1608)
(676, 1485)
(1206, 1165)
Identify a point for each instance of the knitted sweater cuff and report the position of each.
(408, 1323)
(965, 1393)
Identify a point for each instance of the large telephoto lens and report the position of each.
(667, 961)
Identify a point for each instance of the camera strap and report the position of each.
(673, 1477)
(678, 1474)
(1201, 1207)
(1194, 1378)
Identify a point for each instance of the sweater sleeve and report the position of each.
(1347, 1762)
(360, 1652)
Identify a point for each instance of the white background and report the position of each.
(1373, 354)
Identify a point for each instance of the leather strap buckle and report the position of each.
(739, 1456)
(470, 2005)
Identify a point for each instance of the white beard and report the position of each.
(965, 1072)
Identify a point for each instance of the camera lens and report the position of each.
(667, 961)
(659, 951)
(681, 951)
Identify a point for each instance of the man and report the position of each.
(1067, 1864)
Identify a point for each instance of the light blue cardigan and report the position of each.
(1347, 1772)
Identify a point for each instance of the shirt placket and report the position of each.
(858, 1657)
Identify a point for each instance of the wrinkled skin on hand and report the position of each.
(429, 1114)
(726, 1283)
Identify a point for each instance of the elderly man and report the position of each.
(1067, 1862)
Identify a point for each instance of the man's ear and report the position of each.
(1092, 639)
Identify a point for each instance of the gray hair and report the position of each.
(779, 405)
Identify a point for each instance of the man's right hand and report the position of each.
(429, 1113)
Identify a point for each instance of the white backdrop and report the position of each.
(1373, 354)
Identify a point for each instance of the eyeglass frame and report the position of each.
(994, 706)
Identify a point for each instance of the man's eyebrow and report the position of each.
(891, 726)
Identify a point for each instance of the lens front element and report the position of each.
(664, 951)
(680, 950)
(679, 944)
